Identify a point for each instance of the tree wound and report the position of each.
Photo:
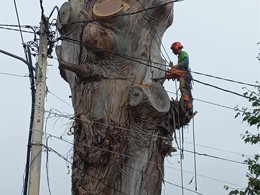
(109, 7)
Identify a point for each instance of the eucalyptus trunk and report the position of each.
(124, 120)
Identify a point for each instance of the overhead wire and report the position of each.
(52, 150)
(142, 63)
(17, 16)
(64, 158)
(80, 169)
(215, 157)
(205, 176)
(225, 79)
(126, 14)
(241, 83)
(95, 147)
(59, 98)
(197, 99)
(12, 29)
(220, 149)
(47, 165)
(132, 59)
(183, 188)
(185, 150)
(14, 75)
(142, 132)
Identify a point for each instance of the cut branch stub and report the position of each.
(109, 8)
(152, 94)
(63, 15)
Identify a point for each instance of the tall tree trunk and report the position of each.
(124, 120)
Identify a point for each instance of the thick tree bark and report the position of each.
(124, 120)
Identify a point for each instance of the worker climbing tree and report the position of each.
(182, 73)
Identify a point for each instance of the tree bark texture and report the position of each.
(124, 120)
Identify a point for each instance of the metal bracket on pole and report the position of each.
(37, 130)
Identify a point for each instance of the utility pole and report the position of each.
(37, 130)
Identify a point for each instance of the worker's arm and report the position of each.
(184, 64)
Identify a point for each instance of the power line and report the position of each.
(226, 90)
(125, 155)
(132, 59)
(128, 14)
(64, 158)
(219, 149)
(21, 34)
(204, 176)
(25, 31)
(148, 61)
(59, 98)
(221, 78)
(141, 132)
(14, 75)
(215, 157)
(66, 141)
(165, 180)
(175, 93)
(16, 10)
(79, 168)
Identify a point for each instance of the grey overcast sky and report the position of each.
(221, 39)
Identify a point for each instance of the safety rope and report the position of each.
(194, 155)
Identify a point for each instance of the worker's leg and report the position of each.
(186, 93)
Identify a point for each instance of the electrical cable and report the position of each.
(79, 168)
(33, 92)
(127, 14)
(200, 100)
(66, 141)
(25, 31)
(124, 56)
(64, 158)
(47, 166)
(59, 98)
(21, 34)
(204, 176)
(148, 61)
(221, 78)
(216, 157)
(183, 188)
(136, 131)
(222, 150)
(14, 75)
(226, 90)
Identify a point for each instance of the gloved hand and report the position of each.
(171, 64)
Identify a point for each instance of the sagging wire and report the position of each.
(136, 59)
(126, 129)
(64, 140)
(132, 59)
(47, 163)
(79, 168)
